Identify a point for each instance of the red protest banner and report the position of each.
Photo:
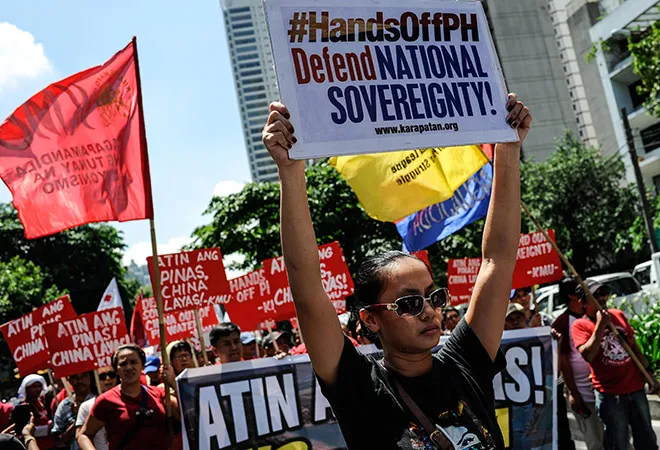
(86, 342)
(74, 152)
(179, 325)
(537, 262)
(25, 335)
(461, 276)
(190, 280)
(265, 294)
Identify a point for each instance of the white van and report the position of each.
(647, 273)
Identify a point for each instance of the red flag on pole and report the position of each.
(138, 333)
(75, 152)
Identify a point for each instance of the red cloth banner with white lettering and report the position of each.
(25, 335)
(86, 342)
(461, 276)
(179, 325)
(537, 263)
(190, 279)
(265, 294)
(74, 153)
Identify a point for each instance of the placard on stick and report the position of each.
(366, 77)
(536, 263)
(190, 279)
(86, 342)
(25, 335)
(178, 325)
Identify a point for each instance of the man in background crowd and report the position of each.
(152, 370)
(283, 343)
(524, 298)
(108, 378)
(450, 318)
(515, 317)
(620, 397)
(575, 370)
(249, 342)
(226, 342)
(181, 356)
(64, 422)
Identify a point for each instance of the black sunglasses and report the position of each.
(111, 375)
(413, 305)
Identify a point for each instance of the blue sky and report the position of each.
(193, 124)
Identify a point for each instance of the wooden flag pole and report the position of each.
(270, 333)
(97, 380)
(200, 336)
(583, 285)
(193, 353)
(258, 342)
(154, 248)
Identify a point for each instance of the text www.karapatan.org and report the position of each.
(405, 129)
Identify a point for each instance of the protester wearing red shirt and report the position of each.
(621, 400)
(133, 414)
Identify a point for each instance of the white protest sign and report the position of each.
(360, 76)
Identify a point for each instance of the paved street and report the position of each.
(577, 436)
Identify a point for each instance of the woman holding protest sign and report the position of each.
(133, 414)
(413, 398)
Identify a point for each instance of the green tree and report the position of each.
(645, 49)
(82, 260)
(248, 223)
(23, 288)
(578, 193)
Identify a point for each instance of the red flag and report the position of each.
(76, 153)
(138, 334)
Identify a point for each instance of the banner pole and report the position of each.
(200, 336)
(193, 353)
(270, 333)
(649, 379)
(69, 392)
(154, 249)
(258, 342)
(97, 380)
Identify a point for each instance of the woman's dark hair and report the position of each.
(370, 280)
(131, 347)
(180, 347)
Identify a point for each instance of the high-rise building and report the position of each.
(254, 78)
(525, 40)
(619, 20)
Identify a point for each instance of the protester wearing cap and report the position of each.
(249, 342)
(108, 379)
(450, 318)
(226, 342)
(134, 415)
(64, 421)
(575, 373)
(524, 298)
(620, 397)
(449, 393)
(32, 392)
(181, 356)
(283, 340)
(152, 370)
(515, 317)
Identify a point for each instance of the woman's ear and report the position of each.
(369, 320)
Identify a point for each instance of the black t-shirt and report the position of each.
(456, 395)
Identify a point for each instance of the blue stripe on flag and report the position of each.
(432, 224)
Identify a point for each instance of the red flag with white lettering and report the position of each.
(76, 153)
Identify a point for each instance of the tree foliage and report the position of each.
(82, 260)
(645, 49)
(248, 223)
(23, 288)
(578, 192)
